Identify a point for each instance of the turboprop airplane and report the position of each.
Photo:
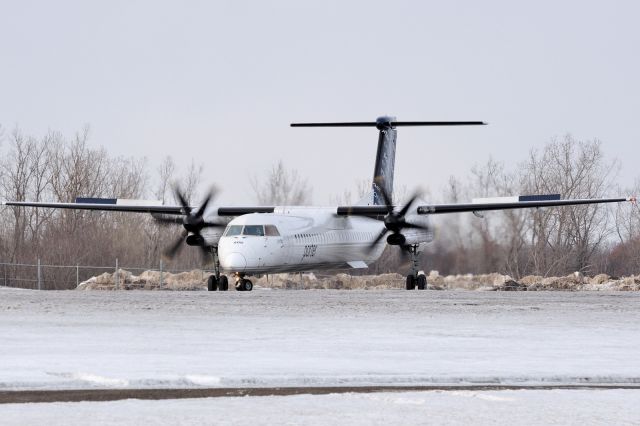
(249, 241)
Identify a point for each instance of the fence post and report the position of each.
(117, 283)
(77, 275)
(160, 272)
(39, 276)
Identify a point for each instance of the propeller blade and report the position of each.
(182, 200)
(204, 204)
(406, 207)
(172, 250)
(377, 240)
(413, 226)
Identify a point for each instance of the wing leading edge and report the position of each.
(371, 211)
(478, 207)
(378, 211)
(136, 208)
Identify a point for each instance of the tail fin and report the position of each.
(386, 154)
(385, 160)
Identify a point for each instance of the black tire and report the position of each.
(223, 283)
(212, 283)
(239, 286)
(411, 282)
(247, 285)
(422, 282)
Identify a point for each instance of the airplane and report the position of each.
(251, 241)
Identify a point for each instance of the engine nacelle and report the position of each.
(418, 236)
(195, 240)
(396, 240)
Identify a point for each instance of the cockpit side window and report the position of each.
(233, 230)
(271, 231)
(255, 230)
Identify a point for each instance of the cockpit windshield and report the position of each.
(233, 230)
(255, 230)
(271, 231)
(252, 230)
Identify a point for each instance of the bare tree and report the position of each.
(352, 195)
(17, 179)
(190, 183)
(40, 187)
(281, 187)
(565, 239)
(166, 172)
(623, 257)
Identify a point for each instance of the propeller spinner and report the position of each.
(193, 224)
(395, 221)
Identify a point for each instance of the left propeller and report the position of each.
(193, 224)
(395, 221)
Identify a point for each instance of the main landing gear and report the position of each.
(416, 278)
(221, 283)
(217, 281)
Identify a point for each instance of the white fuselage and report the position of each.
(301, 239)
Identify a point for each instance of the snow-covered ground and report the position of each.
(71, 340)
(296, 338)
(525, 407)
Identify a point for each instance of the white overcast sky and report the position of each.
(220, 81)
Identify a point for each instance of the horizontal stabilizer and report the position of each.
(391, 123)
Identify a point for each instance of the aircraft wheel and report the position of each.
(212, 283)
(247, 285)
(422, 282)
(223, 283)
(411, 282)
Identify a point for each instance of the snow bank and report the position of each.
(148, 280)
(581, 407)
(197, 280)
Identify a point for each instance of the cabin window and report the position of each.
(233, 230)
(271, 231)
(254, 230)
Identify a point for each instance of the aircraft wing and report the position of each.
(504, 203)
(133, 206)
(512, 204)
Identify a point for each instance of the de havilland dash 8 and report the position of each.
(248, 241)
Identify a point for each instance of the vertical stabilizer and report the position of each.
(385, 160)
(386, 154)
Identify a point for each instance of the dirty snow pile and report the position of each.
(197, 280)
(148, 280)
(498, 282)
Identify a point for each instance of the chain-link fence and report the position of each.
(40, 276)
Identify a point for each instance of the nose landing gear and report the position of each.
(416, 278)
(243, 284)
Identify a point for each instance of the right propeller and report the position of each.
(395, 221)
(193, 224)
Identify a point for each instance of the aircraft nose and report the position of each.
(234, 262)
